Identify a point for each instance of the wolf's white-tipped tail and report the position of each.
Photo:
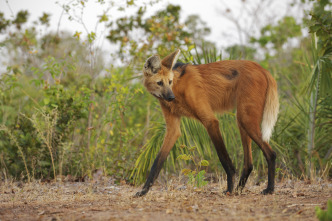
(271, 109)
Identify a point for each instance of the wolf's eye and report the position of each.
(160, 83)
(170, 82)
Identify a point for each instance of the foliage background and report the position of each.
(65, 111)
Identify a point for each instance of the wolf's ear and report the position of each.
(170, 60)
(152, 65)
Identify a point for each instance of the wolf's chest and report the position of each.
(179, 108)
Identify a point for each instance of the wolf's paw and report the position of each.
(267, 191)
(140, 193)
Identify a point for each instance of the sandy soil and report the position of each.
(103, 200)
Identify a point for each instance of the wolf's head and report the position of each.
(158, 75)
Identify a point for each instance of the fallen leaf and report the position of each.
(41, 213)
(189, 209)
(299, 212)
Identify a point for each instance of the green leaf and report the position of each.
(204, 163)
(130, 2)
(91, 37)
(191, 47)
(103, 18)
(184, 157)
(186, 171)
(191, 148)
(200, 179)
(323, 215)
(46, 101)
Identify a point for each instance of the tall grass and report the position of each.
(319, 88)
(20, 149)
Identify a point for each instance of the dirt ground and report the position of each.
(104, 200)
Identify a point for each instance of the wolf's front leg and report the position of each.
(172, 134)
(154, 172)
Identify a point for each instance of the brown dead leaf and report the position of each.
(195, 207)
(299, 212)
(96, 209)
(169, 211)
(42, 213)
(189, 209)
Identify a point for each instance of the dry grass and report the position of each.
(103, 200)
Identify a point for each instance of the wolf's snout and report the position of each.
(169, 96)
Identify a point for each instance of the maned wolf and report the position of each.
(197, 91)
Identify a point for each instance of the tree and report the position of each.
(160, 33)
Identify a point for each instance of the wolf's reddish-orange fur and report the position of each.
(202, 90)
